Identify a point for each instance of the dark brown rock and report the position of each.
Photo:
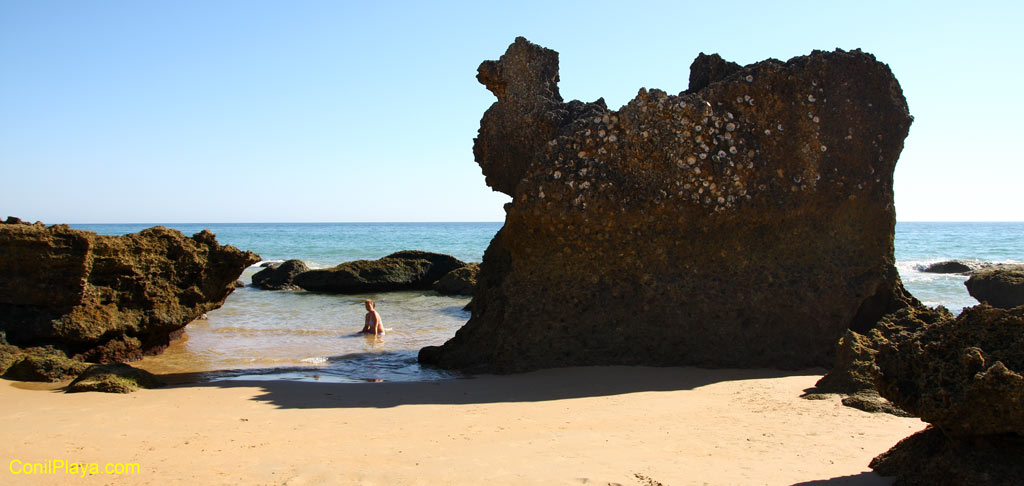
(870, 401)
(854, 367)
(999, 286)
(109, 298)
(748, 222)
(279, 277)
(8, 355)
(404, 270)
(49, 365)
(951, 266)
(853, 374)
(963, 376)
(461, 281)
(930, 458)
(113, 378)
(706, 69)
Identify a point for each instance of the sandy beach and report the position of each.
(601, 425)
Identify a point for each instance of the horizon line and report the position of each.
(420, 222)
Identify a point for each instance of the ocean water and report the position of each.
(297, 335)
(919, 244)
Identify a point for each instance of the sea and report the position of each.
(307, 336)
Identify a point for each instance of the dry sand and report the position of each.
(602, 425)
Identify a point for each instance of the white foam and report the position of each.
(315, 360)
(262, 262)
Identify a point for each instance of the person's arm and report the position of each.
(379, 328)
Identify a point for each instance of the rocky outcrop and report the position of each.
(964, 377)
(929, 458)
(405, 270)
(113, 378)
(961, 267)
(109, 298)
(43, 363)
(999, 286)
(745, 222)
(280, 276)
(460, 281)
(8, 355)
(853, 373)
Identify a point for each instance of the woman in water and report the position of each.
(373, 325)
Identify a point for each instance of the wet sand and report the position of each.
(600, 425)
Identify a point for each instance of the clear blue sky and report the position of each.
(233, 111)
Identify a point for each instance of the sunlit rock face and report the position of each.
(109, 298)
(747, 221)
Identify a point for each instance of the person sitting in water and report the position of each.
(374, 325)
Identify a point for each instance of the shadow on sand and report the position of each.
(537, 386)
(863, 479)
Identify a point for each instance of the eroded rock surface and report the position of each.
(42, 363)
(113, 378)
(404, 270)
(853, 373)
(109, 298)
(999, 286)
(963, 376)
(745, 222)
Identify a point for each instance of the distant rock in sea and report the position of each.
(1000, 285)
(109, 298)
(279, 276)
(404, 270)
(951, 266)
(745, 222)
(964, 377)
(461, 281)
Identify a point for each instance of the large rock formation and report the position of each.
(404, 270)
(745, 222)
(109, 298)
(999, 286)
(964, 377)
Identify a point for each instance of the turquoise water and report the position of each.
(328, 244)
(308, 336)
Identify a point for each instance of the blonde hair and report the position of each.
(371, 302)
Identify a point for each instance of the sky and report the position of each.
(337, 111)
